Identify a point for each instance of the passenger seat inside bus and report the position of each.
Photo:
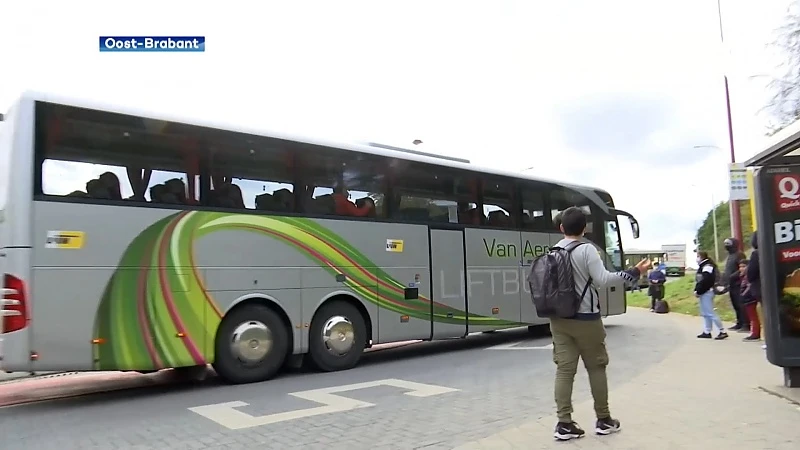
(95, 189)
(175, 192)
(498, 218)
(157, 193)
(227, 195)
(324, 204)
(283, 200)
(265, 202)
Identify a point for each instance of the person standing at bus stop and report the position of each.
(584, 336)
(732, 282)
(753, 295)
(704, 291)
(656, 288)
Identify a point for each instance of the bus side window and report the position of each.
(256, 176)
(498, 203)
(562, 198)
(345, 183)
(79, 159)
(433, 194)
(533, 216)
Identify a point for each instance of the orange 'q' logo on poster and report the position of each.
(787, 192)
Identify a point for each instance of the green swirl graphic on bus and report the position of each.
(156, 312)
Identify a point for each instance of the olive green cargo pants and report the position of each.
(584, 339)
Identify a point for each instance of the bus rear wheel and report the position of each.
(251, 345)
(337, 337)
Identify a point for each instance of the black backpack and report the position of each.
(662, 307)
(552, 283)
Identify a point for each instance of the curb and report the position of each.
(793, 399)
(391, 345)
(35, 376)
(63, 385)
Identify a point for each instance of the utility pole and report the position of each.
(714, 222)
(736, 215)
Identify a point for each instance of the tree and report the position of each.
(784, 104)
(705, 234)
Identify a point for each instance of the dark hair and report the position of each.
(743, 261)
(573, 220)
(704, 255)
(557, 221)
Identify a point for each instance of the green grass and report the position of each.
(681, 299)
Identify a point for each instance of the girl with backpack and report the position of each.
(704, 290)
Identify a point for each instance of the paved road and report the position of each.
(490, 389)
(705, 395)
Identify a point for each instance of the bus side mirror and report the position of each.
(633, 221)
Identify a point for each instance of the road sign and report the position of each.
(737, 175)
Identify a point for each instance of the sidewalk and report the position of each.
(705, 394)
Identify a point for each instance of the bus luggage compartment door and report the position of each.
(448, 283)
(615, 298)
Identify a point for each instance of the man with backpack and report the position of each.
(565, 287)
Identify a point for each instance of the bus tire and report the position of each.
(337, 337)
(251, 345)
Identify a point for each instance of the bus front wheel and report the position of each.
(337, 337)
(251, 345)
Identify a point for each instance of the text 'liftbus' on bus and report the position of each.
(135, 242)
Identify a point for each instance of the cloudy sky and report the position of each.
(614, 93)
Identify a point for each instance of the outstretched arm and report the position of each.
(601, 276)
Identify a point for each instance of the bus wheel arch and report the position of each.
(252, 341)
(269, 302)
(340, 331)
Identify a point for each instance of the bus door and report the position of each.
(448, 282)
(615, 290)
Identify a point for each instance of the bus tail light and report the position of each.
(13, 307)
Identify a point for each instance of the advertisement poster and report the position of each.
(786, 217)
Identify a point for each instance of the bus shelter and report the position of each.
(776, 175)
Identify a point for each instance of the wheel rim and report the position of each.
(251, 342)
(338, 335)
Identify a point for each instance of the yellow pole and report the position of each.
(751, 193)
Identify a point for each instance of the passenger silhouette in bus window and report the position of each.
(344, 207)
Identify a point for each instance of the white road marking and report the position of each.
(515, 346)
(225, 414)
